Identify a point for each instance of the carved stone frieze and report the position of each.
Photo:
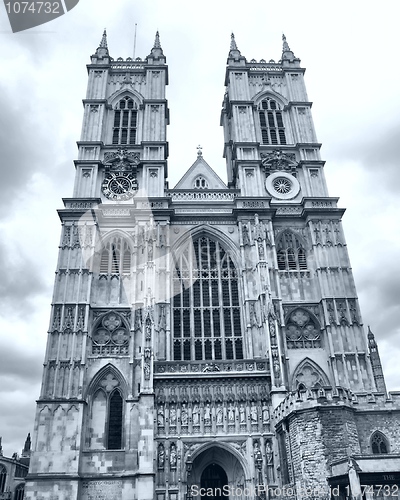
(279, 161)
(121, 160)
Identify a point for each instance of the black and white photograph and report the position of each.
(200, 241)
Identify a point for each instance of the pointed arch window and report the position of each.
(290, 253)
(271, 122)
(379, 443)
(115, 410)
(3, 477)
(106, 413)
(115, 258)
(125, 122)
(206, 310)
(19, 492)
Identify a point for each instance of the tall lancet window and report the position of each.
(271, 122)
(125, 122)
(105, 411)
(115, 258)
(3, 477)
(206, 311)
(290, 253)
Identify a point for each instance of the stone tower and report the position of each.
(186, 320)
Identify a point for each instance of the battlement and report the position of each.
(312, 398)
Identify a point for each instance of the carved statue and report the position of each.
(172, 415)
(161, 456)
(246, 239)
(184, 415)
(242, 414)
(172, 456)
(207, 414)
(160, 416)
(265, 413)
(269, 453)
(220, 414)
(254, 414)
(146, 369)
(231, 414)
(196, 415)
(148, 328)
(257, 451)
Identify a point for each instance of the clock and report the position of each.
(119, 186)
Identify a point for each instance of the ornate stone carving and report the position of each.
(111, 336)
(161, 456)
(121, 160)
(277, 161)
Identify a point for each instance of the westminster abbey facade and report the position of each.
(207, 337)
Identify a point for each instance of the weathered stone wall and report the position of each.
(385, 421)
(307, 453)
(339, 432)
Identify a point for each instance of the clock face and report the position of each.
(119, 186)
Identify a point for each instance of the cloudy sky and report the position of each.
(350, 50)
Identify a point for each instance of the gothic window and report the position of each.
(206, 311)
(125, 122)
(271, 122)
(3, 477)
(309, 375)
(106, 412)
(19, 492)
(200, 183)
(379, 444)
(302, 331)
(111, 336)
(290, 253)
(115, 258)
(115, 409)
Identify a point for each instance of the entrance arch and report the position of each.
(216, 466)
(213, 481)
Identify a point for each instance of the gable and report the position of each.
(202, 170)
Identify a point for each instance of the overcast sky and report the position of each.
(350, 50)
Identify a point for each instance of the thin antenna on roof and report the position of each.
(134, 43)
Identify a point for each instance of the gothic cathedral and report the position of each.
(205, 340)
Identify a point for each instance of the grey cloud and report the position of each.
(21, 280)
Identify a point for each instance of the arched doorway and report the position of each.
(214, 467)
(213, 480)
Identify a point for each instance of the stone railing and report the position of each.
(206, 195)
(265, 67)
(294, 274)
(128, 63)
(214, 367)
(81, 203)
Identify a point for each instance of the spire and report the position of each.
(233, 42)
(102, 49)
(1, 447)
(199, 151)
(286, 47)
(103, 42)
(287, 54)
(376, 362)
(157, 44)
(234, 51)
(27, 445)
(370, 334)
(156, 51)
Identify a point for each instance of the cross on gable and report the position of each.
(109, 383)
